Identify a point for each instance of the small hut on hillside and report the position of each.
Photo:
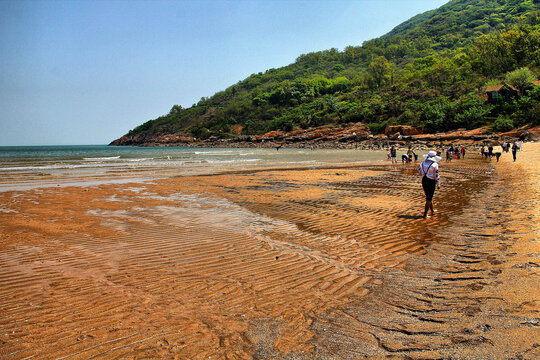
(501, 92)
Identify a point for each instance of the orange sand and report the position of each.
(304, 264)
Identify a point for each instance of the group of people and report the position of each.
(455, 152)
(451, 153)
(487, 153)
(405, 158)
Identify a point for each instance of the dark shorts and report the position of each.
(429, 187)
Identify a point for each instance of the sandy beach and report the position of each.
(306, 263)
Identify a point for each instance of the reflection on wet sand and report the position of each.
(305, 263)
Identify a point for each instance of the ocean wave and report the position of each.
(107, 158)
(225, 152)
(232, 161)
(63, 166)
(139, 160)
(50, 167)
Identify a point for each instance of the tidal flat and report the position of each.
(326, 262)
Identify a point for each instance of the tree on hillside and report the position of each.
(175, 109)
(498, 53)
(379, 72)
(521, 79)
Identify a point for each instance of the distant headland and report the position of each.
(467, 71)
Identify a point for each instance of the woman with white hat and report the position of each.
(429, 171)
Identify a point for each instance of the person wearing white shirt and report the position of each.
(429, 171)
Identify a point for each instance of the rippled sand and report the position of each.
(278, 264)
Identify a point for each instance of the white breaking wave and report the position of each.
(224, 152)
(101, 158)
(232, 161)
(139, 160)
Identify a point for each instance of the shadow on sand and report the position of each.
(410, 217)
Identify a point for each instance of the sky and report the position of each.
(76, 72)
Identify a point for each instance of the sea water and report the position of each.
(23, 167)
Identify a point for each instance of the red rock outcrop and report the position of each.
(403, 130)
(350, 135)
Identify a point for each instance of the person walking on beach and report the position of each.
(514, 150)
(393, 155)
(429, 171)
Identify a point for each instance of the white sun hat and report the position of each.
(432, 156)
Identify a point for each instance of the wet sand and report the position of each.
(332, 263)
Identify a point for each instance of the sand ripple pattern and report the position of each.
(307, 263)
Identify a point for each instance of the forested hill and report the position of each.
(431, 71)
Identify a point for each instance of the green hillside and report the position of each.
(430, 71)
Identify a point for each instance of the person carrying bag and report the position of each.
(429, 171)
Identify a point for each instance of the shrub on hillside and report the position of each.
(502, 124)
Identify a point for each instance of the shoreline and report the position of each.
(136, 165)
(311, 263)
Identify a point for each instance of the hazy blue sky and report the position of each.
(86, 72)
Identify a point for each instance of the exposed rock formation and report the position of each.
(403, 130)
(333, 136)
